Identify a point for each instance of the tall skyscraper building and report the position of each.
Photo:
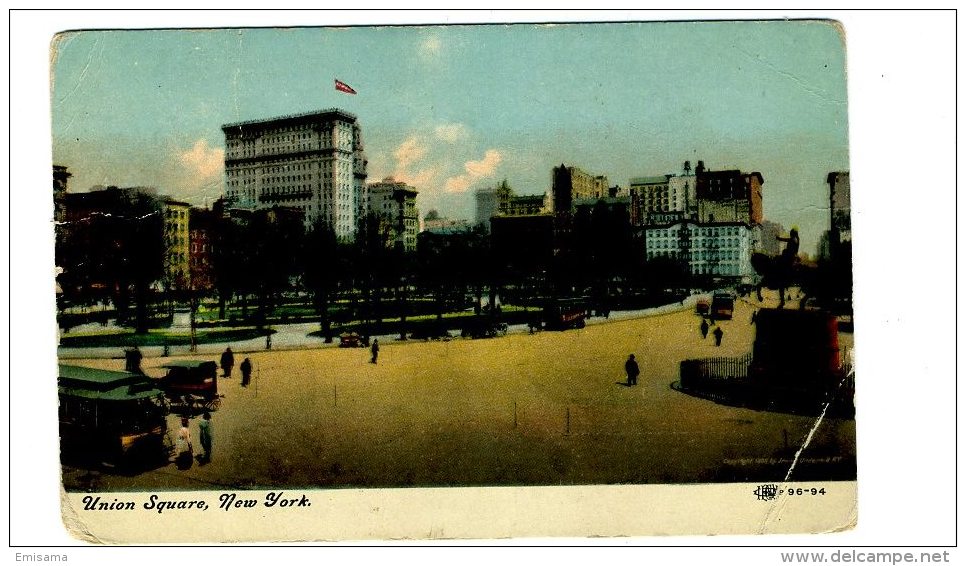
(313, 162)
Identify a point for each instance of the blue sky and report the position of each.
(454, 108)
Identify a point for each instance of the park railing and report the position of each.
(707, 371)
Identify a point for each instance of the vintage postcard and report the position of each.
(453, 282)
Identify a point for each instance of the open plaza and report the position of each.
(549, 408)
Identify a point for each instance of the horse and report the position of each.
(780, 273)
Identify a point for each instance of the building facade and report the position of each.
(570, 183)
(840, 207)
(663, 198)
(486, 206)
(177, 244)
(314, 162)
(523, 205)
(441, 225)
(395, 201)
(202, 224)
(729, 196)
(710, 221)
(719, 249)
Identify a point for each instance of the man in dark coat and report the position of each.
(375, 351)
(246, 369)
(704, 328)
(718, 333)
(227, 362)
(630, 366)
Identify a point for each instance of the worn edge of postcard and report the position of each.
(288, 515)
(293, 515)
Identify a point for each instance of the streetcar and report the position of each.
(110, 417)
(564, 313)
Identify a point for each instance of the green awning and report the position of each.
(125, 393)
(92, 383)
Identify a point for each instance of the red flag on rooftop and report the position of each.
(339, 85)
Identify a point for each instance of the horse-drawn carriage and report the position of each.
(483, 326)
(191, 386)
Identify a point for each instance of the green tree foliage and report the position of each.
(116, 251)
(371, 271)
(322, 263)
(272, 238)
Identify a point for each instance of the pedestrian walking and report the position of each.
(268, 341)
(185, 450)
(718, 333)
(204, 436)
(632, 370)
(704, 328)
(375, 351)
(227, 362)
(246, 369)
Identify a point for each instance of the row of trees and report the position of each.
(259, 259)
(113, 255)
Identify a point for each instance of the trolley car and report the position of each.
(110, 417)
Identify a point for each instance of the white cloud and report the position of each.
(458, 184)
(485, 166)
(437, 160)
(475, 170)
(410, 167)
(451, 133)
(409, 152)
(203, 161)
(421, 179)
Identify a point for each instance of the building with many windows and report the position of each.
(729, 196)
(573, 183)
(177, 243)
(711, 221)
(653, 198)
(314, 162)
(395, 201)
(719, 249)
(502, 200)
(202, 227)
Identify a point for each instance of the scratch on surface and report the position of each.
(86, 69)
(235, 75)
(805, 86)
(774, 513)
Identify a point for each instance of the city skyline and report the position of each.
(450, 109)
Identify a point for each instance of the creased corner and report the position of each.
(73, 523)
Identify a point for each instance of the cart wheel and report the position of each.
(213, 404)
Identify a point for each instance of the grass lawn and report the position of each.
(127, 339)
